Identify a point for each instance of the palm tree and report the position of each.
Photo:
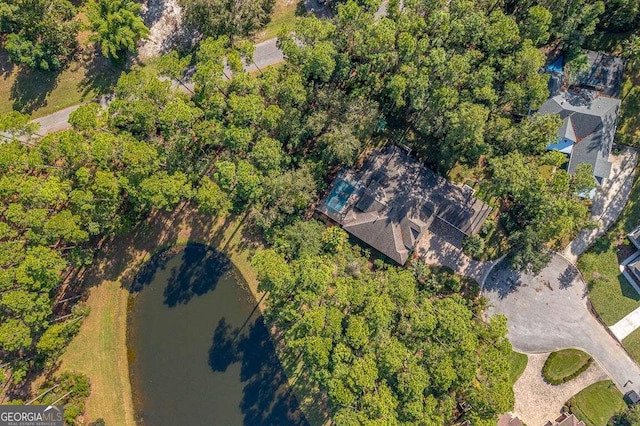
(117, 26)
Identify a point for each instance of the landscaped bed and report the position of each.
(565, 365)
(597, 403)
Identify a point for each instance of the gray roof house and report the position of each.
(634, 265)
(587, 131)
(566, 419)
(603, 73)
(392, 200)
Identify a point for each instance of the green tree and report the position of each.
(535, 26)
(211, 198)
(164, 191)
(39, 34)
(117, 26)
(14, 335)
(582, 181)
(227, 17)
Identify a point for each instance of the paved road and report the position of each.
(549, 311)
(265, 54)
(608, 203)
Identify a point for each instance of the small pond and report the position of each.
(199, 352)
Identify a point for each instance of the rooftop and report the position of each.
(634, 236)
(392, 200)
(566, 420)
(634, 267)
(588, 129)
(604, 73)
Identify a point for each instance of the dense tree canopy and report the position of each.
(458, 81)
(116, 25)
(383, 347)
(233, 18)
(40, 34)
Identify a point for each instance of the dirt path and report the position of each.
(537, 401)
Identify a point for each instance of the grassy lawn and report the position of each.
(97, 352)
(41, 93)
(284, 13)
(597, 403)
(565, 365)
(100, 350)
(518, 363)
(611, 294)
(632, 344)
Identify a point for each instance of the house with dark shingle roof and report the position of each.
(392, 200)
(566, 419)
(589, 111)
(633, 265)
(587, 131)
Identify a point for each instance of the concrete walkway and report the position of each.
(626, 325)
(537, 401)
(608, 203)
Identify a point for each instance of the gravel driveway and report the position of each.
(537, 401)
(549, 311)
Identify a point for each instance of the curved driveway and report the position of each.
(550, 311)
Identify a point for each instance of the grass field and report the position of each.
(564, 365)
(611, 294)
(97, 352)
(100, 350)
(632, 344)
(597, 403)
(518, 363)
(284, 13)
(41, 93)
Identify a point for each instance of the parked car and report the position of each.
(632, 397)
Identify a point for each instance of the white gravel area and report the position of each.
(164, 18)
(537, 401)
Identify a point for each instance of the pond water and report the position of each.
(199, 351)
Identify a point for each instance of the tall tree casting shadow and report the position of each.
(201, 269)
(267, 397)
(31, 88)
(198, 273)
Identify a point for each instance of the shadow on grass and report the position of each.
(6, 66)
(100, 77)
(31, 89)
(627, 289)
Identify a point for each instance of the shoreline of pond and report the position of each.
(246, 334)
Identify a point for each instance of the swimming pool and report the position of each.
(339, 195)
